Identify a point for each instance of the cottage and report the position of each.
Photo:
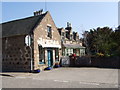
(30, 43)
(70, 42)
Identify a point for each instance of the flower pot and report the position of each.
(36, 71)
(48, 68)
(56, 66)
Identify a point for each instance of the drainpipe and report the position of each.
(28, 43)
(31, 62)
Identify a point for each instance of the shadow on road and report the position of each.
(6, 75)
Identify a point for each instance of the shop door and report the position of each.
(50, 58)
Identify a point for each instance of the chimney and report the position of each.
(69, 27)
(36, 13)
(68, 24)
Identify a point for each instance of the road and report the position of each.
(63, 78)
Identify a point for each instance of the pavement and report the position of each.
(63, 78)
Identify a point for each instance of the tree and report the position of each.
(116, 38)
(102, 40)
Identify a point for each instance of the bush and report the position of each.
(100, 54)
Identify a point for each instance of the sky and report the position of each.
(119, 13)
(82, 15)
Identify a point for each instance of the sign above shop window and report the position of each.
(48, 43)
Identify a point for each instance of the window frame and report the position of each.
(49, 31)
(41, 54)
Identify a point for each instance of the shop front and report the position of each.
(69, 49)
(48, 53)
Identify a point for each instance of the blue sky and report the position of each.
(82, 15)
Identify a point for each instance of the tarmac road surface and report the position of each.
(63, 78)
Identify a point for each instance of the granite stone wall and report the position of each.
(41, 38)
(15, 54)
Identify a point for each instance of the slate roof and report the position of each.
(73, 46)
(21, 26)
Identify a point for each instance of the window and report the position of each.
(82, 52)
(74, 51)
(69, 52)
(49, 32)
(41, 55)
(62, 36)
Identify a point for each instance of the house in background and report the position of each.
(30, 43)
(70, 42)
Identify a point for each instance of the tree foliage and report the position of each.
(102, 41)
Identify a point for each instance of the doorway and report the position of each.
(50, 57)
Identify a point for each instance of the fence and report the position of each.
(102, 62)
(106, 62)
(80, 61)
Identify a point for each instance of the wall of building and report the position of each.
(40, 37)
(15, 54)
(73, 41)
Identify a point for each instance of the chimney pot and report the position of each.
(38, 12)
(34, 13)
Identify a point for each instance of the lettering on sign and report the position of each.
(45, 41)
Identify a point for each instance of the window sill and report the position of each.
(41, 65)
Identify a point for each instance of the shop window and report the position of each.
(41, 55)
(67, 54)
(49, 32)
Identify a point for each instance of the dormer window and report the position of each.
(49, 32)
(62, 36)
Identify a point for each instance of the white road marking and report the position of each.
(65, 81)
(89, 83)
(20, 77)
(56, 80)
(37, 79)
(61, 81)
(23, 77)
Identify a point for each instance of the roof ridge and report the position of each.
(23, 18)
(21, 26)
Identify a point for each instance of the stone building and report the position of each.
(70, 42)
(30, 43)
